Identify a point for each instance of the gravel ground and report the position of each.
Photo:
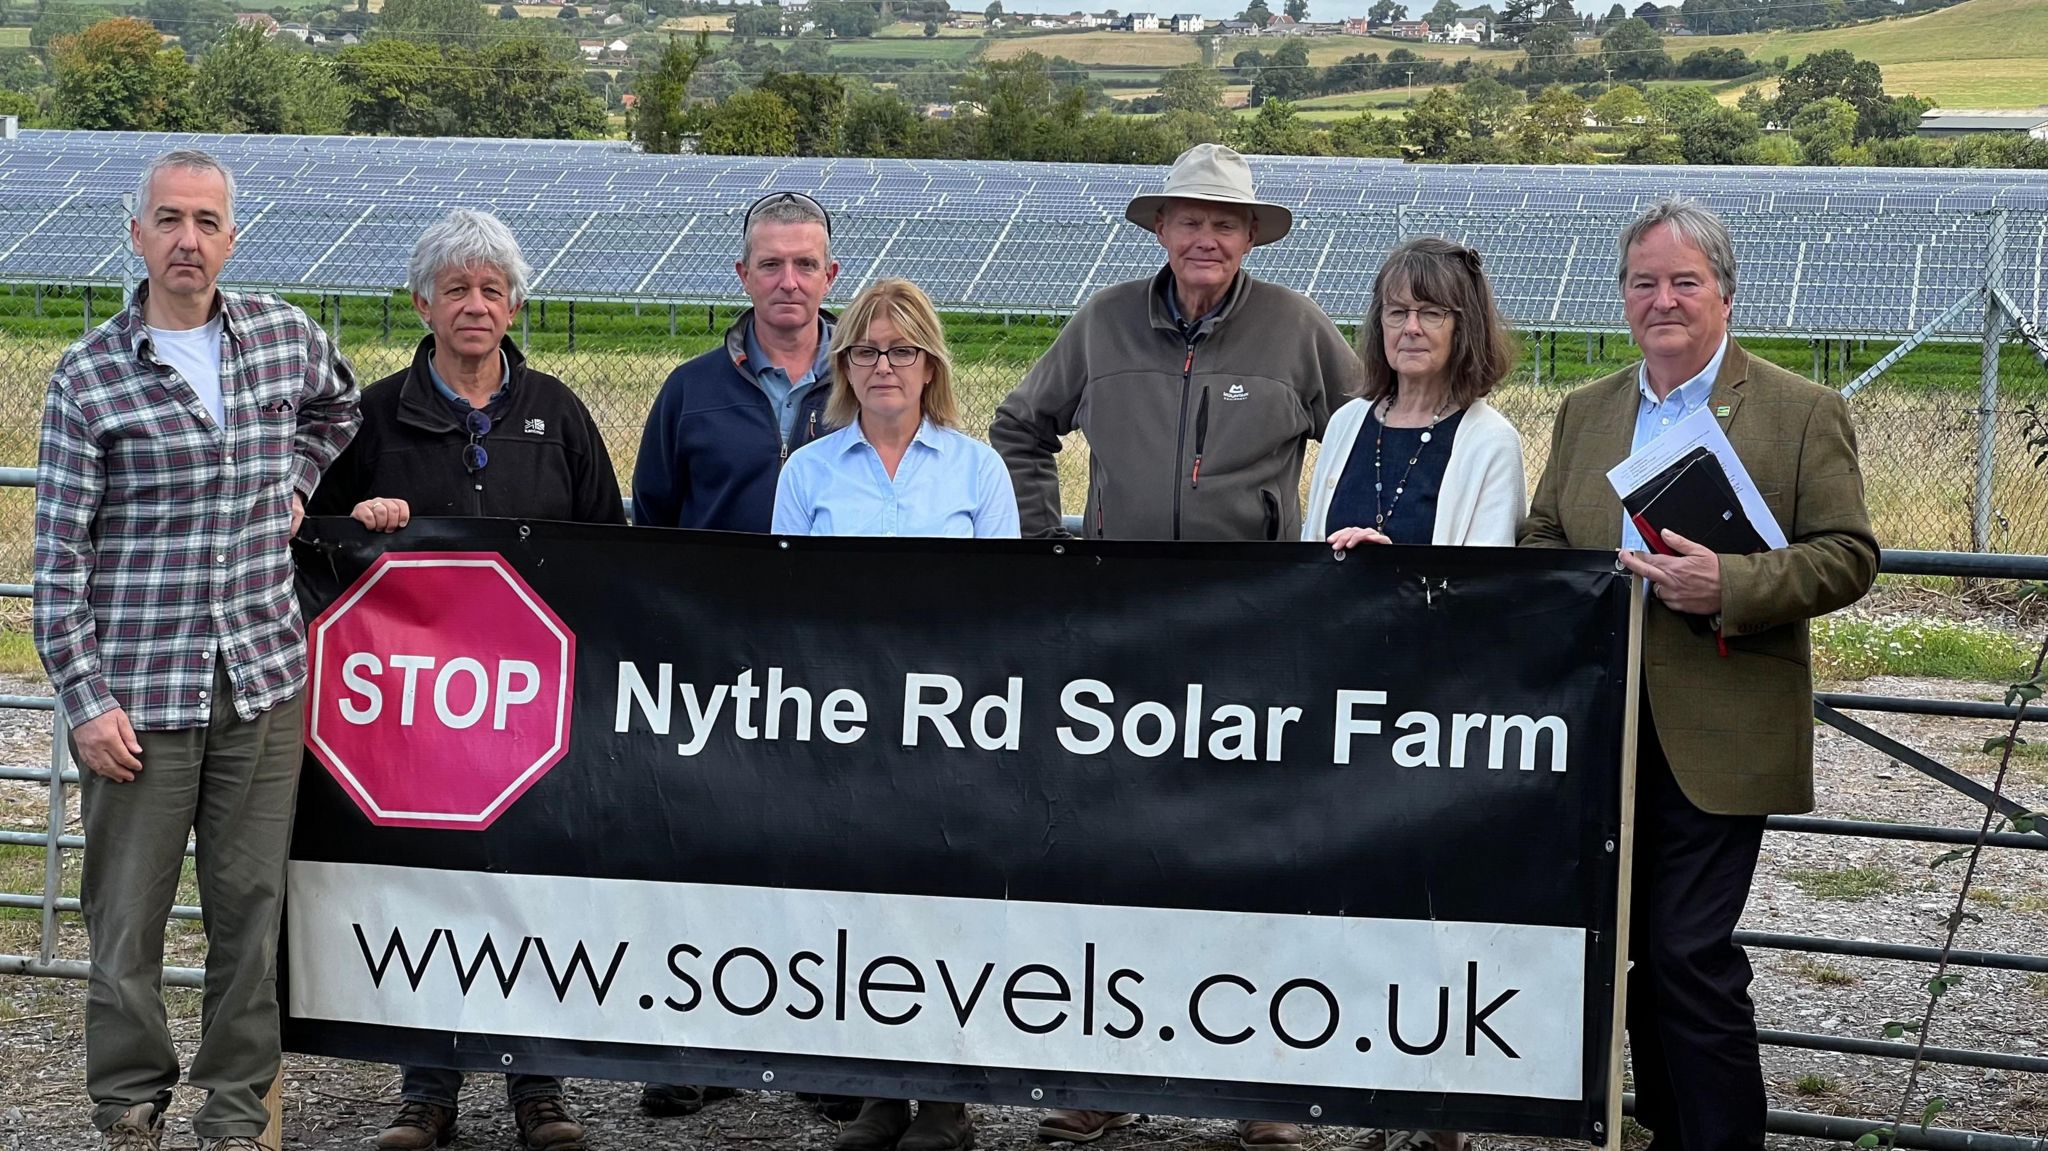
(1818, 885)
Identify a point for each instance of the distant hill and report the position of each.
(1977, 54)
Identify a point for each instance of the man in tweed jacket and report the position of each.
(1726, 733)
(180, 441)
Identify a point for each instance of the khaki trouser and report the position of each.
(233, 785)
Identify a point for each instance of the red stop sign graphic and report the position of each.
(440, 690)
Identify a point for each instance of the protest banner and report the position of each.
(1209, 829)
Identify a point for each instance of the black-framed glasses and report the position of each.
(773, 198)
(867, 355)
(474, 457)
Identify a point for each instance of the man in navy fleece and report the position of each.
(725, 421)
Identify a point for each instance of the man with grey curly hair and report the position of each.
(468, 429)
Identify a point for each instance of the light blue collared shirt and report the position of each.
(1655, 417)
(947, 484)
(449, 394)
(786, 395)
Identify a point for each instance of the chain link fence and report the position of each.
(1918, 425)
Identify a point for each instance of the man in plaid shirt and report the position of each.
(180, 440)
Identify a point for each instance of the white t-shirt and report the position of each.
(195, 352)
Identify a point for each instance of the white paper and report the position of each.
(1700, 429)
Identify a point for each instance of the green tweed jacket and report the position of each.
(1737, 729)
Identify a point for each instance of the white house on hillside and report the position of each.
(1464, 30)
(1187, 23)
(1144, 21)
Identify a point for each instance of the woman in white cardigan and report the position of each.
(1420, 457)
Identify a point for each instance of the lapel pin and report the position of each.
(1722, 410)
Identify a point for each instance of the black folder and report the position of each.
(1694, 498)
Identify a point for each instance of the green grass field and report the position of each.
(945, 49)
(13, 37)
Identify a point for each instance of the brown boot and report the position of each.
(545, 1125)
(1268, 1135)
(939, 1127)
(140, 1128)
(418, 1126)
(879, 1125)
(1081, 1126)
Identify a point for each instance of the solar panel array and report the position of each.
(1845, 252)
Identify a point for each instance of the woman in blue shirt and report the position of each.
(897, 465)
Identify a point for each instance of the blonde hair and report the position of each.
(916, 321)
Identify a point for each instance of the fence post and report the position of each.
(53, 856)
(1987, 383)
(88, 307)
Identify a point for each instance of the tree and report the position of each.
(462, 22)
(1835, 73)
(196, 23)
(1491, 106)
(508, 11)
(717, 81)
(396, 88)
(1718, 136)
(1621, 106)
(877, 124)
(1191, 88)
(568, 12)
(659, 115)
(1436, 123)
(1549, 48)
(752, 123)
(931, 29)
(1297, 9)
(807, 53)
(1517, 20)
(1276, 130)
(1385, 10)
(1894, 119)
(21, 106)
(1826, 131)
(530, 86)
(1444, 12)
(1632, 50)
(1257, 13)
(1286, 74)
(750, 23)
(1615, 15)
(994, 10)
(819, 106)
(117, 76)
(250, 83)
(58, 21)
(1548, 125)
(1366, 135)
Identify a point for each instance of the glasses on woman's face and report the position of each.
(867, 356)
(474, 457)
(1432, 319)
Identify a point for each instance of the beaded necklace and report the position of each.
(1379, 517)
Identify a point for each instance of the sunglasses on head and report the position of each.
(773, 198)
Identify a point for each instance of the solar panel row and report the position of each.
(1836, 252)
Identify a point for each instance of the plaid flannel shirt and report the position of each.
(162, 540)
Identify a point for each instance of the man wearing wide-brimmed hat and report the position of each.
(1197, 388)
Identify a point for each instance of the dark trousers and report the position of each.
(1691, 1025)
(440, 1085)
(232, 785)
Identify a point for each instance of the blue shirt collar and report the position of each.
(760, 364)
(1693, 392)
(1173, 305)
(447, 393)
(926, 434)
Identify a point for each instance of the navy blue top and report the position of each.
(1414, 513)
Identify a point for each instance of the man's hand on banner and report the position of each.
(1688, 582)
(382, 515)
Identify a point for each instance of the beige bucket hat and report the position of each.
(1219, 175)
